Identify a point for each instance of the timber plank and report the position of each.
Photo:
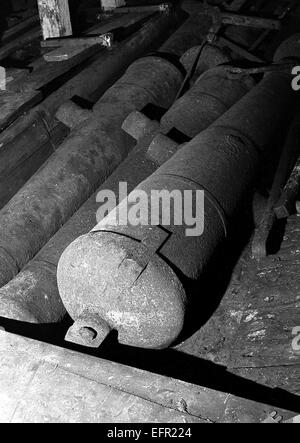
(57, 385)
(251, 331)
(265, 337)
(281, 377)
(65, 53)
(13, 104)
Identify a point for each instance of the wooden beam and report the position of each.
(19, 42)
(55, 18)
(65, 384)
(239, 50)
(120, 393)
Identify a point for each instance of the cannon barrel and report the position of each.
(83, 162)
(89, 154)
(21, 298)
(132, 277)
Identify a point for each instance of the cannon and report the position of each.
(84, 161)
(132, 277)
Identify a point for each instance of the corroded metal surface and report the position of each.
(223, 161)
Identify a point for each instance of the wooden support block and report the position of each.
(162, 7)
(55, 18)
(43, 72)
(72, 47)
